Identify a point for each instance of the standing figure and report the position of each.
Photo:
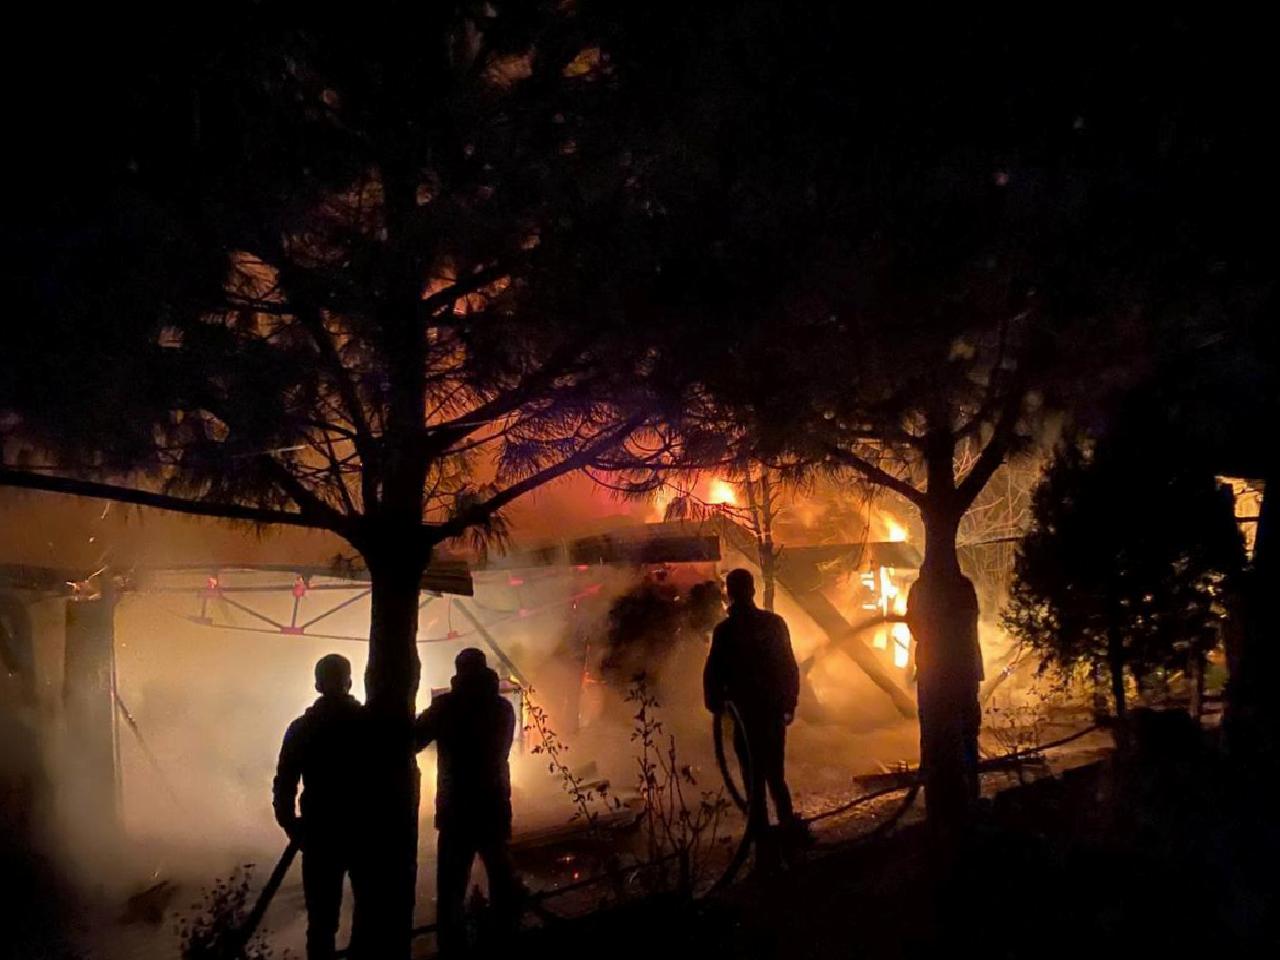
(751, 664)
(324, 748)
(473, 727)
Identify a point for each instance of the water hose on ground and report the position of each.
(536, 901)
(986, 766)
(912, 787)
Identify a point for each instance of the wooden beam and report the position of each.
(840, 632)
(492, 644)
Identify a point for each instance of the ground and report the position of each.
(1148, 856)
(1166, 850)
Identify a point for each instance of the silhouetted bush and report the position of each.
(213, 928)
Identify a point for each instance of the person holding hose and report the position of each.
(752, 666)
(473, 727)
(325, 750)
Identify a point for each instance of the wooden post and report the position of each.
(89, 699)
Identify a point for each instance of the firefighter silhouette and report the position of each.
(473, 727)
(324, 749)
(751, 665)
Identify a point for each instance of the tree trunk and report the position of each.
(768, 574)
(769, 552)
(397, 555)
(1197, 685)
(1115, 665)
(1117, 688)
(385, 920)
(762, 530)
(944, 620)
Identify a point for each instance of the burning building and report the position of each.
(178, 670)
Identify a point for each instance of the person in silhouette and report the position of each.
(751, 664)
(323, 749)
(473, 727)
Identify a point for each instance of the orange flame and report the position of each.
(722, 492)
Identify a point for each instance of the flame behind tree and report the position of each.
(894, 531)
(753, 499)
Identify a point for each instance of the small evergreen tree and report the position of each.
(1126, 562)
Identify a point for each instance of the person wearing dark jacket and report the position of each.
(751, 664)
(323, 749)
(473, 727)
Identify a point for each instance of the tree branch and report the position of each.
(479, 512)
(307, 500)
(146, 498)
(446, 298)
(442, 436)
(335, 465)
(307, 313)
(994, 452)
(364, 440)
(876, 475)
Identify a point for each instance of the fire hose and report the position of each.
(535, 901)
(752, 796)
(912, 787)
(741, 802)
(717, 739)
(250, 925)
(531, 902)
